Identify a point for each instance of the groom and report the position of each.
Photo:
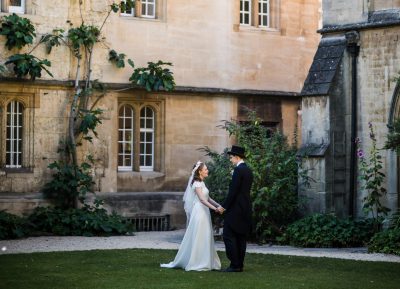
(237, 206)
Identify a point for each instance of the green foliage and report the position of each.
(3, 69)
(90, 120)
(372, 179)
(53, 40)
(11, 226)
(117, 59)
(393, 137)
(85, 221)
(18, 31)
(27, 64)
(220, 174)
(387, 242)
(153, 77)
(69, 182)
(83, 36)
(123, 5)
(275, 170)
(327, 230)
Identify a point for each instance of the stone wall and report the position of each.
(379, 65)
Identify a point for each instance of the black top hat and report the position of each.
(236, 151)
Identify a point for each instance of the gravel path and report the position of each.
(171, 240)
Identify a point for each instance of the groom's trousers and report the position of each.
(235, 246)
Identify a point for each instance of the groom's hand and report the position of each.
(220, 210)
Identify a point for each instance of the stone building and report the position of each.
(227, 54)
(351, 84)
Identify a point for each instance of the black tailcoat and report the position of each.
(237, 203)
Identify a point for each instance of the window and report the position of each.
(148, 8)
(14, 134)
(14, 6)
(17, 129)
(263, 13)
(245, 8)
(146, 138)
(130, 11)
(125, 138)
(259, 13)
(138, 137)
(144, 9)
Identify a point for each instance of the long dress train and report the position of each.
(197, 250)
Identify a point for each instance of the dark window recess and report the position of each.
(150, 223)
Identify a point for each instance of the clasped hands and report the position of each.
(220, 210)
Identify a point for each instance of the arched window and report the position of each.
(147, 138)
(125, 138)
(14, 139)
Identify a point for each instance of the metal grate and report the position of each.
(150, 223)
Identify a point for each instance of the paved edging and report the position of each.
(171, 240)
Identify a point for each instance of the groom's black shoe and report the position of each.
(230, 269)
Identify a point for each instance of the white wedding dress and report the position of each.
(197, 250)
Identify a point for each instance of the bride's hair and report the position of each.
(196, 175)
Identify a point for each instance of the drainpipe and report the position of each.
(353, 49)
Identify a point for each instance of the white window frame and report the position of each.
(145, 131)
(262, 13)
(244, 12)
(132, 12)
(15, 140)
(123, 153)
(145, 8)
(17, 9)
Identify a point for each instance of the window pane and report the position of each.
(247, 6)
(142, 148)
(149, 123)
(142, 160)
(128, 161)
(120, 147)
(149, 137)
(127, 148)
(120, 160)
(246, 19)
(149, 161)
(149, 112)
(150, 11)
(149, 148)
(15, 2)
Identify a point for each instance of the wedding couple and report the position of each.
(197, 250)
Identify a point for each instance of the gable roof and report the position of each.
(323, 69)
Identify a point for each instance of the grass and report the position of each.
(139, 268)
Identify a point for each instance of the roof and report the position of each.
(324, 66)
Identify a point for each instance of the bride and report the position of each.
(197, 250)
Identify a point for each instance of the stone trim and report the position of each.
(376, 19)
(68, 84)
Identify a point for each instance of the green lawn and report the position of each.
(128, 269)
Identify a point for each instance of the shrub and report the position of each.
(11, 226)
(387, 242)
(327, 230)
(275, 170)
(85, 221)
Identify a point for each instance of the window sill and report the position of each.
(135, 18)
(10, 172)
(143, 175)
(243, 28)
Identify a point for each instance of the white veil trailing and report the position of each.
(188, 197)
